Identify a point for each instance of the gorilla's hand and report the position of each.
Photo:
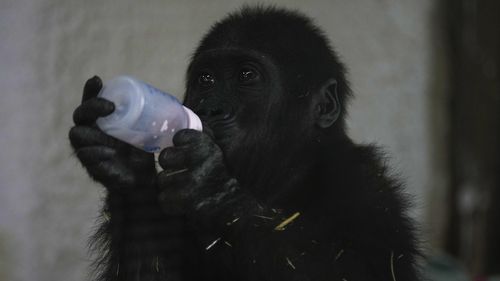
(195, 178)
(115, 164)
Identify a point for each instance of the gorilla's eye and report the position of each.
(206, 80)
(248, 74)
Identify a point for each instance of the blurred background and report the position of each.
(425, 75)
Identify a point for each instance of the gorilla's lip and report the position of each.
(208, 130)
(220, 123)
(218, 129)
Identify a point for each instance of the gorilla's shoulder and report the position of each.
(360, 177)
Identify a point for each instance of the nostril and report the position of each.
(211, 112)
(216, 112)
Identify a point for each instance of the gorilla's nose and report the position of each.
(213, 113)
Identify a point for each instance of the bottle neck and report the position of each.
(194, 121)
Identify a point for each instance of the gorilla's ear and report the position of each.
(327, 106)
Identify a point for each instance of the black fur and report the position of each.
(263, 80)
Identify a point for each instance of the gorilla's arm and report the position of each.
(135, 238)
(240, 237)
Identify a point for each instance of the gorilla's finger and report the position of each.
(187, 136)
(174, 157)
(111, 174)
(91, 88)
(172, 179)
(92, 155)
(208, 130)
(81, 136)
(88, 112)
(189, 155)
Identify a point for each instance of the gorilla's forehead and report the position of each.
(233, 55)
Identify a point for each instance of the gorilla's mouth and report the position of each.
(224, 121)
(219, 128)
(217, 117)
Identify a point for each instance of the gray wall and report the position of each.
(49, 48)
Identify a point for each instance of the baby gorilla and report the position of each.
(273, 189)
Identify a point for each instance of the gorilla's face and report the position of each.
(267, 89)
(229, 90)
(244, 104)
(235, 93)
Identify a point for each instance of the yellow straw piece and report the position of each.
(282, 225)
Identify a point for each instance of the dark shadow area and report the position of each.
(473, 225)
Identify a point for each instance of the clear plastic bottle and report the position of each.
(144, 116)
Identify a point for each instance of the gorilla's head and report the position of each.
(268, 85)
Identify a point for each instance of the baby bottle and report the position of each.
(144, 116)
